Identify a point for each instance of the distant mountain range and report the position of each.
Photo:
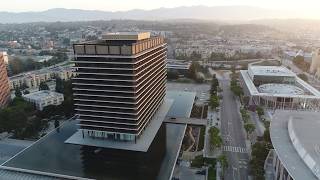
(238, 13)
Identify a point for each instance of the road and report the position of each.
(232, 128)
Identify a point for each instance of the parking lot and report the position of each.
(202, 90)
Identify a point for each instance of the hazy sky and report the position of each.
(308, 7)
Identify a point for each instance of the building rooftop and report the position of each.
(126, 36)
(295, 138)
(280, 89)
(182, 104)
(270, 71)
(178, 64)
(42, 95)
(119, 44)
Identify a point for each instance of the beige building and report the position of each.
(33, 79)
(42, 99)
(315, 64)
(4, 84)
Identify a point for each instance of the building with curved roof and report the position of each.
(296, 153)
(276, 87)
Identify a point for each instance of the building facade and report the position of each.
(33, 79)
(315, 63)
(182, 67)
(120, 84)
(276, 87)
(41, 99)
(294, 136)
(4, 82)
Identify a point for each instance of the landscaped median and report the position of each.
(200, 161)
(215, 138)
(248, 126)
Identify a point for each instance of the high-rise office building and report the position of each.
(120, 84)
(4, 82)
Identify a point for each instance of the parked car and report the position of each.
(202, 172)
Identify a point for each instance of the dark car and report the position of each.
(203, 172)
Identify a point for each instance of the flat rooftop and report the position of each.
(178, 64)
(42, 95)
(182, 103)
(295, 138)
(270, 71)
(280, 90)
(136, 36)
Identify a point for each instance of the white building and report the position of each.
(277, 87)
(295, 138)
(315, 64)
(42, 99)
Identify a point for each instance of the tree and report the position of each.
(214, 101)
(16, 65)
(193, 70)
(195, 56)
(67, 105)
(301, 63)
(217, 56)
(266, 136)
(224, 161)
(14, 118)
(59, 85)
(234, 87)
(17, 92)
(259, 154)
(172, 75)
(43, 86)
(249, 128)
(244, 114)
(215, 138)
(214, 85)
(260, 111)
(303, 77)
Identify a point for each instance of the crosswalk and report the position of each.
(234, 149)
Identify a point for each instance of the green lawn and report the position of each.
(201, 138)
(200, 161)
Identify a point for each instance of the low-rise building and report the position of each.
(277, 87)
(295, 138)
(64, 73)
(44, 98)
(34, 78)
(180, 66)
